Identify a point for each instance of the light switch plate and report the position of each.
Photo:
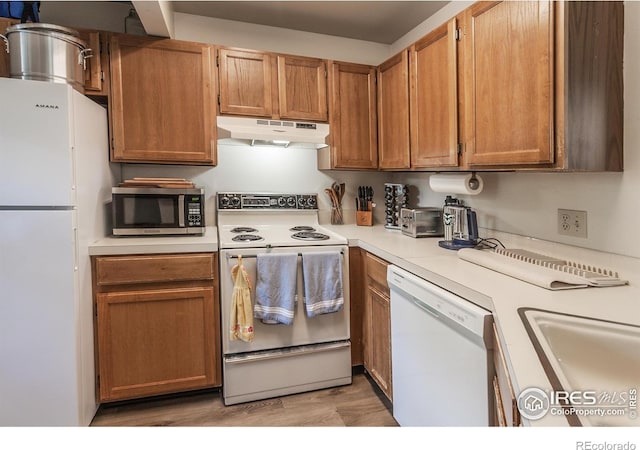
(572, 223)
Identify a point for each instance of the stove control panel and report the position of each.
(237, 200)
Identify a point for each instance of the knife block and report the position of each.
(365, 218)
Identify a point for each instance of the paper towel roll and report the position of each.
(456, 183)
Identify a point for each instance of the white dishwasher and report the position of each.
(440, 353)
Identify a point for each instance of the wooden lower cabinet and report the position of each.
(157, 325)
(506, 406)
(378, 344)
(356, 302)
(377, 324)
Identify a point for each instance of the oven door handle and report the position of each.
(230, 256)
(285, 353)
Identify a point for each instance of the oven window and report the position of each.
(148, 211)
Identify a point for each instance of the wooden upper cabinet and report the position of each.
(434, 99)
(393, 113)
(508, 83)
(162, 102)
(302, 88)
(245, 82)
(354, 140)
(4, 56)
(254, 83)
(95, 80)
(589, 85)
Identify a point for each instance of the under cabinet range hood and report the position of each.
(283, 133)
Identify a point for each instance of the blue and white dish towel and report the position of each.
(322, 276)
(276, 287)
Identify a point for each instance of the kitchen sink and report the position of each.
(596, 360)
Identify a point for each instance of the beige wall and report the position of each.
(260, 37)
(99, 15)
(431, 23)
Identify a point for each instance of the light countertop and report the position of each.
(504, 295)
(127, 245)
(501, 294)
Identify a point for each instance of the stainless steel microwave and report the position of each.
(147, 211)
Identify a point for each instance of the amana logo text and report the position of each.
(42, 105)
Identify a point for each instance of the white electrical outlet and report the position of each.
(572, 223)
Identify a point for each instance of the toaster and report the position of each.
(421, 222)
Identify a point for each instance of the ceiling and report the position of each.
(376, 21)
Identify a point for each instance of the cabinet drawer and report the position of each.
(507, 396)
(113, 270)
(377, 272)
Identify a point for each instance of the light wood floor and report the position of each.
(356, 405)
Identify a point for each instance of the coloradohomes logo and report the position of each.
(45, 106)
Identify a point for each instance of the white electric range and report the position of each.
(312, 352)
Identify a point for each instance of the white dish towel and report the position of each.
(322, 276)
(276, 287)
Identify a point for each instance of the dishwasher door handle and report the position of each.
(425, 308)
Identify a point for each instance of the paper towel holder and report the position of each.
(474, 182)
(466, 183)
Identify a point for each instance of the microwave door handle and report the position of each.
(181, 211)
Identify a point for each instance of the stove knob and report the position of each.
(301, 202)
(235, 202)
(282, 202)
(291, 202)
(224, 202)
(311, 202)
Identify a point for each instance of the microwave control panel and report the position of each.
(195, 213)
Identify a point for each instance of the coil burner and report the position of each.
(302, 228)
(247, 238)
(243, 230)
(309, 236)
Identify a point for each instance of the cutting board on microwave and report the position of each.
(157, 182)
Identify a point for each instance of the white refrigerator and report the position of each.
(55, 183)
